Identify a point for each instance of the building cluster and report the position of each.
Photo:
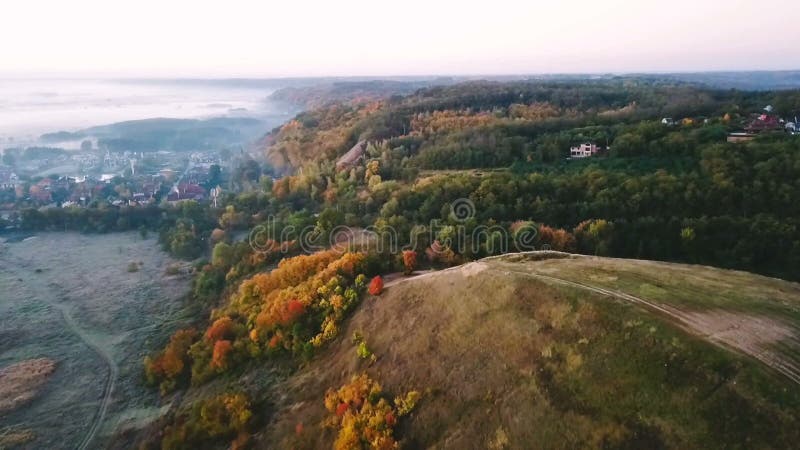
(121, 178)
(81, 191)
(764, 122)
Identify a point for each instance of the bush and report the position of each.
(226, 416)
(173, 269)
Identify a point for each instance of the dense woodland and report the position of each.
(664, 192)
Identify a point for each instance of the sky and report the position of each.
(267, 38)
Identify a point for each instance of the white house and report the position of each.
(8, 179)
(668, 121)
(584, 150)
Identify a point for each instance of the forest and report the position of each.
(668, 192)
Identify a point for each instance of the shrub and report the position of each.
(363, 351)
(173, 269)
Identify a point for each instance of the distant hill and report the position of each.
(549, 350)
(749, 81)
(168, 134)
(346, 90)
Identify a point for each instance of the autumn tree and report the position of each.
(169, 367)
(220, 357)
(409, 261)
(222, 256)
(557, 239)
(222, 328)
(364, 417)
(376, 285)
(594, 237)
(225, 416)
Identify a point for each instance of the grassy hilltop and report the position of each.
(508, 356)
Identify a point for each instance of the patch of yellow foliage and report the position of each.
(364, 416)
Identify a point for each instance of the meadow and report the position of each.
(94, 305)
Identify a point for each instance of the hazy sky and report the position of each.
(404, 37)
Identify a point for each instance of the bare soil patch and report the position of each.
(12, 437)
(20, 382)
(752, 335)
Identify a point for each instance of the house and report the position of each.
(668, 121)
(353, 156)
(8, 179)
(186, 191)
(740, 137)
(40, 192)
(168, 174)
(764, 122)
(584, 150)
(793, 126)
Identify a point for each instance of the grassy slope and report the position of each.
(505, 357)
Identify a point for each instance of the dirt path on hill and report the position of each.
(741, 333)
(745, 334)
(395, 278)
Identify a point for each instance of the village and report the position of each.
(84, 178)
(751, 126)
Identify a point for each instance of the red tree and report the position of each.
(222, 328)
(294, 309)
(376, 285)
(409, 261)
(219, 359)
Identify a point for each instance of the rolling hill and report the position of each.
(553, 350)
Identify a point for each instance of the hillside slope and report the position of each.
(547, 350)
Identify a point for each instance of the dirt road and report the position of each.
(743, 334)
(688, 322)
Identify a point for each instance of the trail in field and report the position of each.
(113, 370)
(720, 328)
(47, 297)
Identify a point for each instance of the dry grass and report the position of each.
(508, 361)
(20, 382)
